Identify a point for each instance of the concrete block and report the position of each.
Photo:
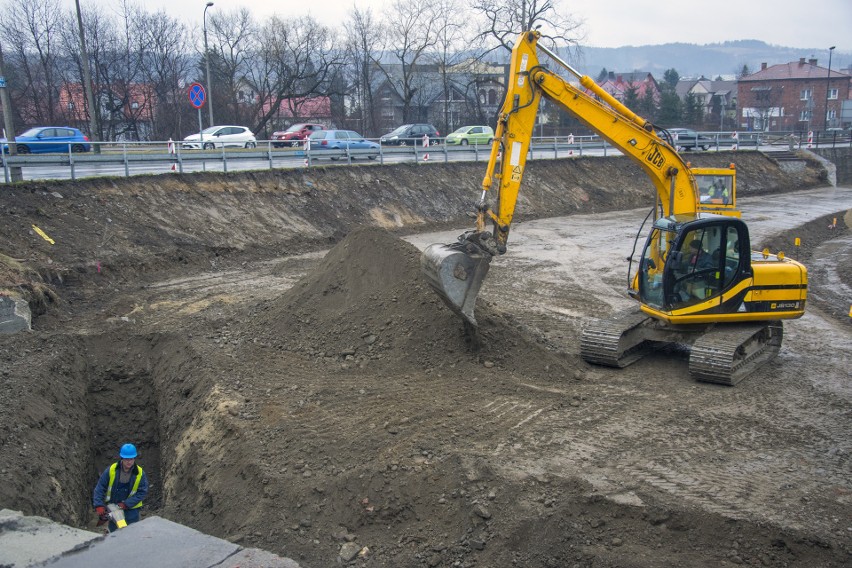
(15, 315)
(25, 541)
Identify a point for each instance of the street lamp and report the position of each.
(207, 62)
(828, 84)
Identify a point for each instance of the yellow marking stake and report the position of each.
(798, 242)
(43, 235)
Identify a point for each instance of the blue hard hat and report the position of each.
(128, 451)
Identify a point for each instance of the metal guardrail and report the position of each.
(137, 158)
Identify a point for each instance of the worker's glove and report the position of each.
(122, 506)
(102, 513)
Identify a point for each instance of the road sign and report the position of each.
(2, 82)
(197, 95)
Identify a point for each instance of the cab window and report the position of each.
(693, 270)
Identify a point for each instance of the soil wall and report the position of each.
(123, 227)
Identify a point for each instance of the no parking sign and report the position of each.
(197, 95)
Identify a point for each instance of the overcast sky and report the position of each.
(812, 24)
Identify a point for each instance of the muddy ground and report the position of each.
(295, 399)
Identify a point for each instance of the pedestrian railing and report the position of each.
(136, 158)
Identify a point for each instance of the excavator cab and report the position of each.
(689, 262)
(717, 190)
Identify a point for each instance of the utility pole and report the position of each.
(87, 83)
(828, 86)
(207, 63)
(8, 122)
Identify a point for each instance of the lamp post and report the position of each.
(828, 84)
(207, 62)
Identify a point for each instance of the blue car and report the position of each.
(49, 139)
(340, 141)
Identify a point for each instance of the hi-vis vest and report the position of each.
(133, 489)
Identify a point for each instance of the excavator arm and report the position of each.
(601, 112)
(456, 271)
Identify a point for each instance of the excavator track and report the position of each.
(615, 341)
(728, 354)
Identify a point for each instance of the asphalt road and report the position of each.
(56, 166)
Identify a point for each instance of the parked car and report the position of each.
(49, 139)
(295, 135)
(411, 134)
(470, 135)
(684, 138)
(340, 141)
(221, 136)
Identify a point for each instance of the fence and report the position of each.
(136, 158)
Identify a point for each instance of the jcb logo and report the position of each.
(656, 158)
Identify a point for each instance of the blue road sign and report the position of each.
(2, 82)
(197, 95)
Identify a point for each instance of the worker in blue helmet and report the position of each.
(124, 484)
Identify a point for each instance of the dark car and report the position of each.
(338, 142)
(295, 135)
(46, 139)
(686, 139)
(412, 134)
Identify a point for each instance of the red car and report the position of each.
(295, 135)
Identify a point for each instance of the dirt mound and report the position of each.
(368, 301)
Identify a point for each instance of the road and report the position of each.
(116, 163)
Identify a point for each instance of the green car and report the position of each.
(471, 135)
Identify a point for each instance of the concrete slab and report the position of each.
(15, 315)
(151, 542)
(25, 541)
(160, 543)
(256, 558)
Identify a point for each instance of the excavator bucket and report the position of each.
(456, 273)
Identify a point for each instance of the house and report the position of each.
(798, 96)
(716, 99)
(472, 95)
(126, 110)
(293, 110)
(619, 84)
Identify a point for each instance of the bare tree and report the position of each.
(295, 60)
(411, 34)
(164, 43)
(234, 37)
(100, 115)
(503, 20)
(455, 55)
(127, 75)
(31, 29)
(364, 43)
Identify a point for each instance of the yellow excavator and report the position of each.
(697, 282)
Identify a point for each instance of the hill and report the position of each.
(710, 60)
